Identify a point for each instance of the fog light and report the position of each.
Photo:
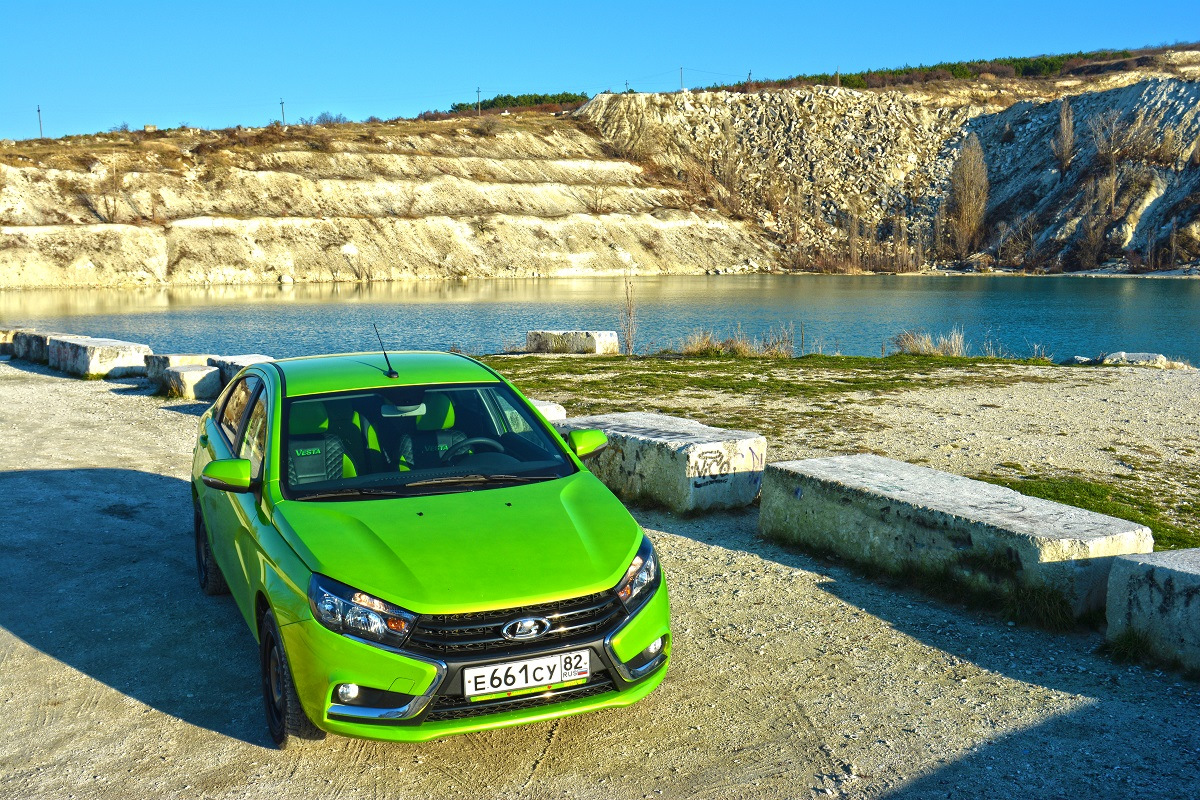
(655, 646)
(347, 692)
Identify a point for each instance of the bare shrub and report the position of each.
(487, 126)
(1089, 243)
(968, 197)
(1063, 144)
(593, 198)
(629, 316)
(1108, 132)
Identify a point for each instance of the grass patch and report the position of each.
(1130, 646)
(1128, 502)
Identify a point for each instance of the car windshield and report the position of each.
(411, 440)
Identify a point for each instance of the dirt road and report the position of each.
(792, 678)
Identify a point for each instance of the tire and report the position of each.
(212, 582)
(286, 720)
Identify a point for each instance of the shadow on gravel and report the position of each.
(1132, 734)
(191, 409)
(99, 573)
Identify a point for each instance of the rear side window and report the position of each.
(235, 406)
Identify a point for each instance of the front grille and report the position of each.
(448, 707)
(445, 635)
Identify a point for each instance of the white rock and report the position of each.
(890, 514)
(675, 462)
(88, 357)
(1155, 594)
(158, 363)
(32, 345)
(192, 382)
(552, 412)
(1155, 360)
(576, 342)
(232, 365)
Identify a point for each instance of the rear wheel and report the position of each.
(212, 582)
(286, 719)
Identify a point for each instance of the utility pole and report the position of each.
(40, 134)
(478, 113)
(681, 79)
(282, 113)
(626, 87)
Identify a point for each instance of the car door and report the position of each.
(250, 518)
(222, 509)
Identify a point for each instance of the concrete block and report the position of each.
(577, 342)
(192, 382)
(675, 462)
(96, 358)
(1158, 596)
(874, 510)
(553, 412)
(32, 345)
(158, 363)
(230, 366)
(6, 339)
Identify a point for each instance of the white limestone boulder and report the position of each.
(552, 412)
(894, 515)
(1157, 595)
(1153, 360)
(674, 462)
(158, 363)
(6, 339)
(232, 365)
(88, 357)
(192, 382)
(574, 342)
(32, 345)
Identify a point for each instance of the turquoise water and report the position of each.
(852, 315)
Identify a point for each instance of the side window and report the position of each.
(254, 442)
(235, 406)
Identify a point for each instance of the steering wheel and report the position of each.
(466, 444)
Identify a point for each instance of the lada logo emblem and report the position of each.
(525, 629)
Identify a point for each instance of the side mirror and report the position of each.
(586, 444)
(228, 475)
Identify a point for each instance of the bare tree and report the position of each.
(1063, 144)
(968, 197)
(628, 316)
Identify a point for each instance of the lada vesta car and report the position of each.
(418, 552)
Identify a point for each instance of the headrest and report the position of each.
(308, 417)
(439, 413)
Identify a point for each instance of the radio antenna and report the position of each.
(391, 373)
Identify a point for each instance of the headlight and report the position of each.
(641, 576)
(347, 610)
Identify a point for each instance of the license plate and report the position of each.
(522, 677)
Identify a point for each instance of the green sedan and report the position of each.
(418, 552)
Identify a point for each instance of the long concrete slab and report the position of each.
(192, 382)
(158, 363)
(1157, 595)
(32, 345)
(675, 462)
(89, 357)
(890, 514)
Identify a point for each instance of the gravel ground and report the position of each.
(792, 677)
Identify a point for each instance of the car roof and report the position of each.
(357, 371)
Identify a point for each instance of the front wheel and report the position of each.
(212, 582)
(286, 719)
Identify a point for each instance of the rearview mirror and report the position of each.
(228, 475)
(586, 444)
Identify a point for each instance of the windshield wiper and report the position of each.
(353, 492)
(469, 479)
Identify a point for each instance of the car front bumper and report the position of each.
(426, 700)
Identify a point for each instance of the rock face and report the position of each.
(886, 513)
(577, 342)
(674, 462)
(1157, 595)
(355, 203)
(88, 357)
(192, 382)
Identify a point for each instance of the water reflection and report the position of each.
(847, 314)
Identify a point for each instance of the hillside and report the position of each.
(511, 196)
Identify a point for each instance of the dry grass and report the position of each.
(778, 342)
(919, 343)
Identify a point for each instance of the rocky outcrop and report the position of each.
(535, 197)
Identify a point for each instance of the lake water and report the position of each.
(852, 315)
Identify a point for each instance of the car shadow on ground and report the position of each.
(191, 409)
(99, 573)
(1131, 732)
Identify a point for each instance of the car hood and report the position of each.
(472, 550)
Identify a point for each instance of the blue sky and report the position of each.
(94, 65)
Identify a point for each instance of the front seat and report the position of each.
(434, 435)
(314, 452)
